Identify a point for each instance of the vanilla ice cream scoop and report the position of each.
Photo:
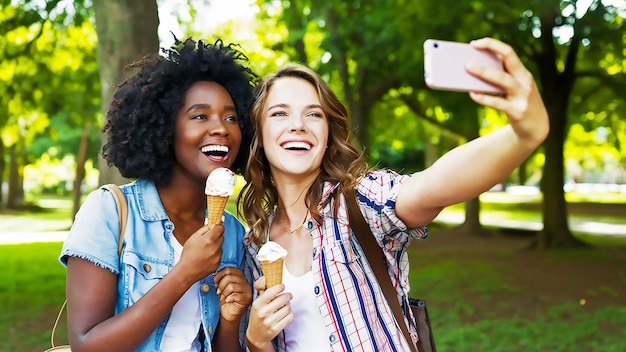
(271, 252)
(221, 183)
(219, 186)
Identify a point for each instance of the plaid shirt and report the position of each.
(351, 302)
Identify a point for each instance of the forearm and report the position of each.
(129, 329)
(227, 336)
(475, 167)
(461, 174)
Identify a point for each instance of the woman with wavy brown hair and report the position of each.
(300, 165)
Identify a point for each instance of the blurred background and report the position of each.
(60, 61)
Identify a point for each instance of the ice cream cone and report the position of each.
(215, 209)
(219, 186)
(273, 272)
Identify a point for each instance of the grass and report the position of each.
(31, 292)
(475, 305)
(464, 296)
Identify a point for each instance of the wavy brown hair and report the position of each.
(342, 163)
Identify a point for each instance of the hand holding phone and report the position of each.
(445, 62)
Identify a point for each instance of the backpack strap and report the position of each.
(375, 257)
(122, 210)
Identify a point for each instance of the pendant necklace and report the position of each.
(291, 232)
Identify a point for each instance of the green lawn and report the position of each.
(32, 290)
(478, 304)
(33, 285)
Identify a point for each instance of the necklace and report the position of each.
(291, 232)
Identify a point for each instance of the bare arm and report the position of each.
(92, 292)
(471, 169)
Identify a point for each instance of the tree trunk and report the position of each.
(81, 158)
(15, 199)
(556, 232)
(357, 121)
(472, 226)
(472, 207)
(127, 30)
(522, 173)
(2, 167)
(556, 91)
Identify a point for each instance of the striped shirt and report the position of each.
(352, 304)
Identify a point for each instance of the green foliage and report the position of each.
(49, 85)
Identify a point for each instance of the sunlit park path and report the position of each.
(497, 213)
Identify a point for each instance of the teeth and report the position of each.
(215, 148)
(296, 145)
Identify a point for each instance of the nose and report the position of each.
(297, 123)
(218, 127)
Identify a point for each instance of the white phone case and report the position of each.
(444, 66)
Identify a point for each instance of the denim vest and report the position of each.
(147, 255)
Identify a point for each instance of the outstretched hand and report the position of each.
(522, 101)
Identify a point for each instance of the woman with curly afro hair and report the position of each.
(178, 283)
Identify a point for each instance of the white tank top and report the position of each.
(307, 331)
(181, 332)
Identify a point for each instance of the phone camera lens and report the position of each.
(435, 45)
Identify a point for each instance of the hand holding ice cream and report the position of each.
(272, 256)
(219, 186)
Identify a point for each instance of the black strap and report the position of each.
(374, 255)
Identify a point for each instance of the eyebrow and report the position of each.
(208, 106)
(283, 105)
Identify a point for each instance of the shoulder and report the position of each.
(95, 230)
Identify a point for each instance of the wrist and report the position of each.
(255, 346)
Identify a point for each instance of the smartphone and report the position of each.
(444, 66)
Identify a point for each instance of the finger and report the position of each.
(269, 303)
(215, 230)
(511, 61)
(496, 77)
(270, 293)
(274, 311)
(259, 284)
(283, 317)
(492, 101)
(228, 287)
(226, 271)
(229, 279)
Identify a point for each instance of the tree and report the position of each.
(374, 47)
(46, 65)
(577, 48)
(127, 30)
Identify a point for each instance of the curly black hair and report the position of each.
(141, 118)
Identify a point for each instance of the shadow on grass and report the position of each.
(491, 293)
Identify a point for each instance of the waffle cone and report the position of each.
(215, 209)
(273, 272)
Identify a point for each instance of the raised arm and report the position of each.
(473, 168)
